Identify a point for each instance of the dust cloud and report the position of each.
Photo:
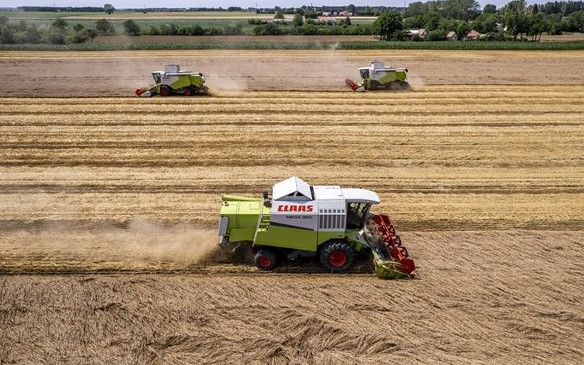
(225, 77)
(182, 243)
(139, 244)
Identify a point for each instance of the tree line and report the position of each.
(514, 21)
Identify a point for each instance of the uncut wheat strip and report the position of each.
(192, 153)
(277, 120)
(448, 140)
(313, 104)
(436, 147)
(227, 176)
(385, 132)
(272, 114)
(458, 92)
(479, 127)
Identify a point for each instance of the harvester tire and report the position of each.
(164, 91)
(188, 92)
(265, 259)
(336, 256)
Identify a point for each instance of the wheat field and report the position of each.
(443, 158)
(109, 207)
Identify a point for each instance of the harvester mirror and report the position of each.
(267, 199)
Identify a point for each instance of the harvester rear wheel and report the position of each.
(188, 92)
(265, 259)
(164, 91)
(336, 256)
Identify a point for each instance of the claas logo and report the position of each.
(295, 208)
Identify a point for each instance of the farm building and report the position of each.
(452, 36)
(473, 35)
(419, 33)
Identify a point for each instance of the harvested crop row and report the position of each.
(440, 158)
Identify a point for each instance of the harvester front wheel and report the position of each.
(164, 91)
(336, 256)
(265, 259)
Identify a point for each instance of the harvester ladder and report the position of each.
(263, 223)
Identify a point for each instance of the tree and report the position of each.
(490, 9)
(351, 9)
(537, 24)
(432, 20)
(267, 29)
(462, 29)
(298, 20)
(279, 15)
(131, 28)
(514, 16)
(459, 9)
(310, 14)
(104, 27)
(388, 24)
(416, 9)
(109, 9)
(59, 23)
(414, 22)
(486, 23)
(347, 21)
(32, 34)
(575, 21)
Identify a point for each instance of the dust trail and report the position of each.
(416, 81)
(182, 243)
(339, 69)
(225, 77)
(140, 245)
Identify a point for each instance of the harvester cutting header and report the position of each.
(380, 77)
(329, 223)
(174, 81)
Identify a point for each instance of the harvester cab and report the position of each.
(380, 77)
(329, 223)
(173, 80)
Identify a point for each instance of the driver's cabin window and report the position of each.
(355, 213)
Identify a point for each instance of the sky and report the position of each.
(121, 4)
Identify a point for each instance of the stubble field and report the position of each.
(109, 205)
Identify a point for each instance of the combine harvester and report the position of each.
(174, 81)
(379, 77)
(329, 223)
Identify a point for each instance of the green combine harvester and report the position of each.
(380, 77)
(329, 223)
(174, 81)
